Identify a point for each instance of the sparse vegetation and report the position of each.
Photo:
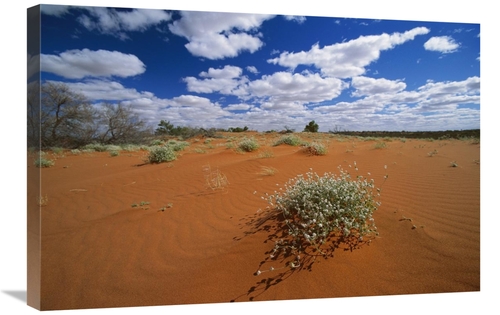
(266, 154)
(289, 139)
(315, 148)
(316, 207)
(380, 145)
(268, 171)
(248, 145)
(160, 154)
(214, 179)
(44, 162)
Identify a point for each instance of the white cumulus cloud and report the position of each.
(215, 35)
(368, 86)
(117, 23)
(78, 64)
(347, 59)
(443, 44)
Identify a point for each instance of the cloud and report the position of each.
(236, 107)
(106, 90)
(440, 97)
(54, 10)
(295, 18)
(443, 44)
(214, 35)
(78, 64)
(347, 59)
(252, 69)
(112, 22)
(225, 81)
(284, 89)
(369, 86)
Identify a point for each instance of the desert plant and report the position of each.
(432, 153)
(44, 162)
(177, 145)
(315, 208)
(311, 127)
(248, 145)
(114, 153)
(288, 139)
(214, 179)
(159, 154)
(315, 148)
(266, 154)
(380, 145)
(268, 171)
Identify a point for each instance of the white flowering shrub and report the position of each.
(159, 154)
(316, 209)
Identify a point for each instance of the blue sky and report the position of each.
(209, 69)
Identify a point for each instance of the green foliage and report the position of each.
(289, 139)
(311, 127)
(164, 128)
(248, 145)
(237, 129)
(316, 209)
(315, 148)
(380, 145)
(160, 154)
(44, 162)
(177, 145)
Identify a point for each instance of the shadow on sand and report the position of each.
(291, 256)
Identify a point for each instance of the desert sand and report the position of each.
(116, 231)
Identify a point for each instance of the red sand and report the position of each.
(99, 251)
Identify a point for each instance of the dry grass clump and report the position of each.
(214, 179)
(268, 171)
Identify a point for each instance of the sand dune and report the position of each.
(190, 244)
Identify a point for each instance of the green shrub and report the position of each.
(315, 148)
(248, 145)
(316, 208)
(156, 142)
(114, 153)
(177, 145)
(289, 139)
(159, 154)
(95, 146)
(44, 162)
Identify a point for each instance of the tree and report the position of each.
(311, 127)
(164, 128)
(119, 124)
(66, 118)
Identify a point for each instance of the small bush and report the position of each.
(160, 154)
(289, 139)
(114, 153)
(44, 162)
(96, 147)
(315, 148)
(380, 145)
(317, 209)
(248, 145)
(156, 142)
(177, 145)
